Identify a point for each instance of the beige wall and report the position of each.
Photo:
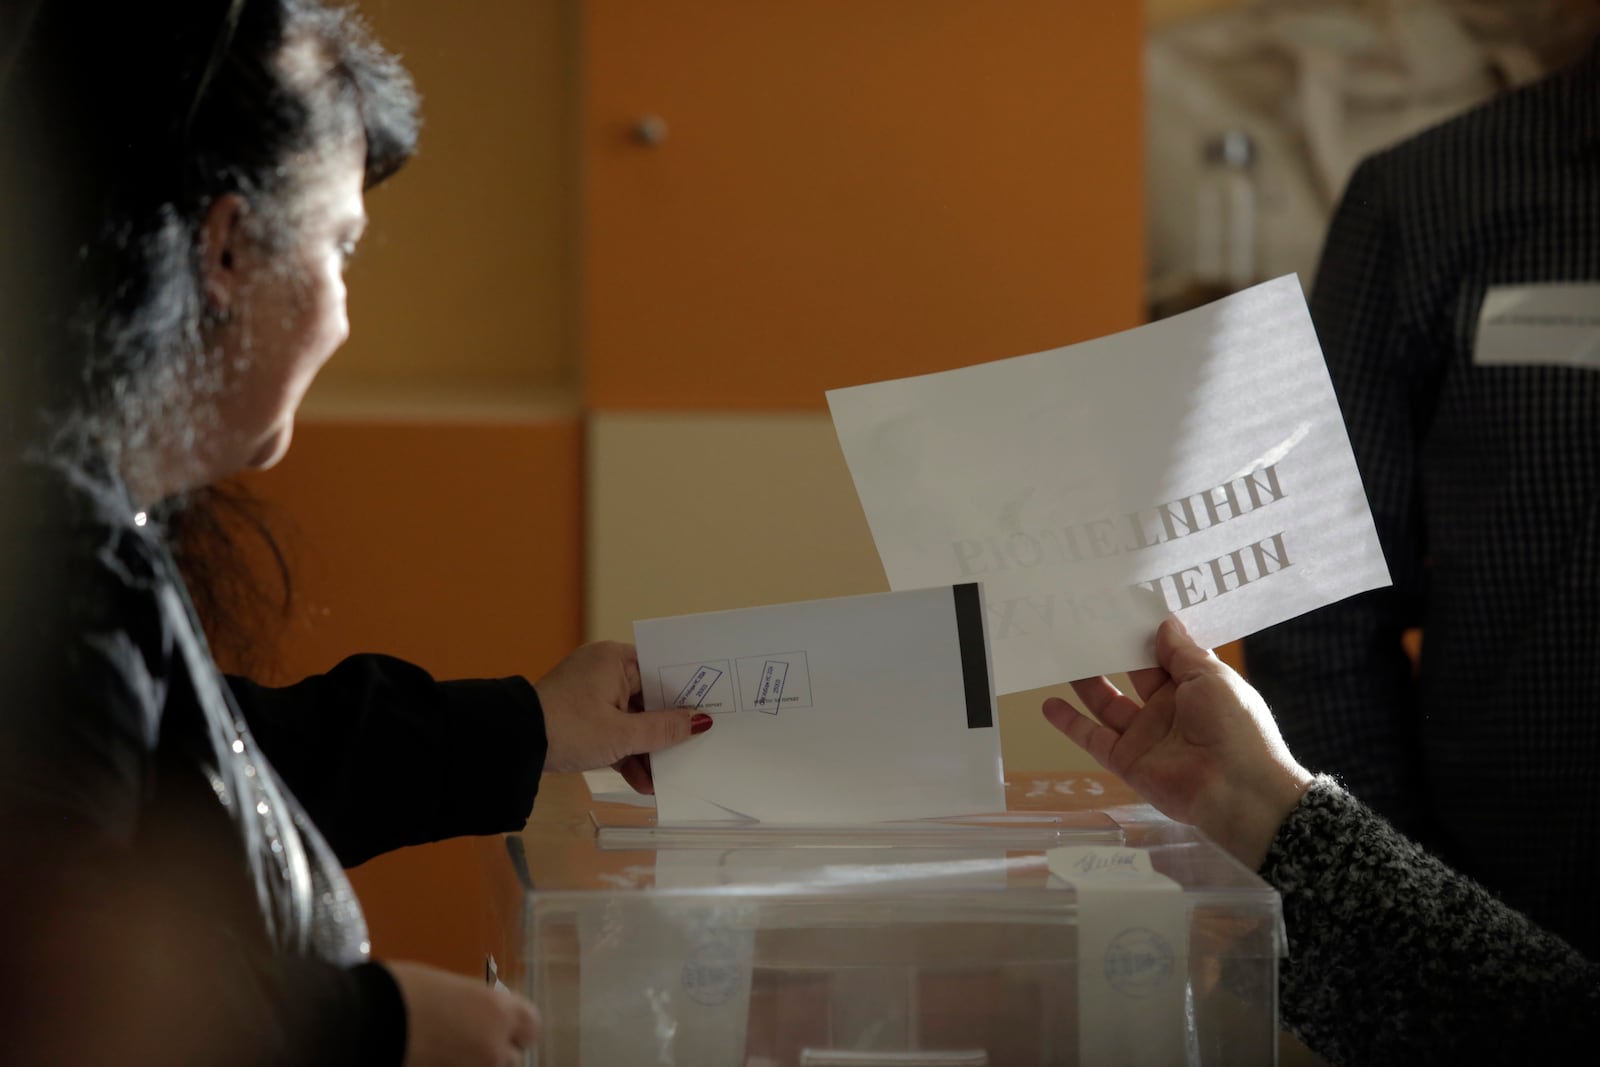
(775, 519)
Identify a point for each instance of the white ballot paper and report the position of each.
(1197, 465)
(857, 709)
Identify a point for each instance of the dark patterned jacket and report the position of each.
(1484, 482)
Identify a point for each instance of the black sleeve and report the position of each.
(109, 954)
(338, 1016)
(382, 756)
(83, 673)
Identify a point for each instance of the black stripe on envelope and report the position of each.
(974, 656)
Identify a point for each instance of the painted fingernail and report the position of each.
(700, 723)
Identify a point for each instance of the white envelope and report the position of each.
(856, 709)
(1197, 465)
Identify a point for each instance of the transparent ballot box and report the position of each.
(949, 942)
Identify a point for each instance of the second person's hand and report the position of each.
(1199, 744)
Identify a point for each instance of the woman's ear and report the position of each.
(221, 243)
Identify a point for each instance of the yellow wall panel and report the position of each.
(466, 281)
(706, 512)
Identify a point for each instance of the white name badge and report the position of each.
(1553, 324)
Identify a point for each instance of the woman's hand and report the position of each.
(592, 715)
(453, 1021)
(1203, 748)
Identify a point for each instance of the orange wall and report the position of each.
(851, 191)
(453, 544)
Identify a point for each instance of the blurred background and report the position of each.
(595, 319)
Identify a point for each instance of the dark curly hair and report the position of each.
(120, 124)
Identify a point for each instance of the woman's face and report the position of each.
(286, 317)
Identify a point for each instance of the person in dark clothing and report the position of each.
(181, 185)
(1454, 306)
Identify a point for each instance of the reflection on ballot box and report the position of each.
(1045, 935)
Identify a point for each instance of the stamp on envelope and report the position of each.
(694, 691)
(706, 685)
(769, 691)
(774, 682)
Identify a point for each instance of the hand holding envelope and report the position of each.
(857, 709)
(588, 721)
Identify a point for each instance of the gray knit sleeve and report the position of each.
(1395, 958)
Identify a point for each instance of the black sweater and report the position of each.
(171, 843)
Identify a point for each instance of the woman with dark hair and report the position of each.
(181, 185)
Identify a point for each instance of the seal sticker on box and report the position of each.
(1133, 956)
(714, 971)
(1139, 962)
(664, 979)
